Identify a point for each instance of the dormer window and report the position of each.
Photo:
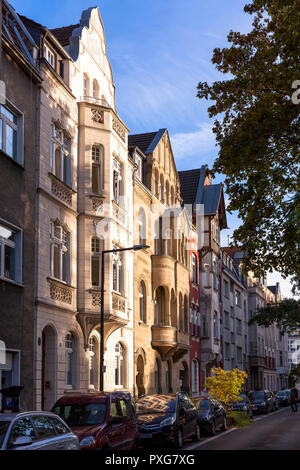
(138, 162)
(49, 56)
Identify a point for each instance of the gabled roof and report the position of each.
(234, 251)
(211, 196)
(63, 34)
(189, 181)
(146, 141)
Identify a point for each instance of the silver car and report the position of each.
(35, 430)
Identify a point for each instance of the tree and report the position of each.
(259, 134)
(226, 385)
(286, 314)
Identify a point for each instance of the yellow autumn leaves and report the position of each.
(225, 385)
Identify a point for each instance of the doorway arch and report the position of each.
(48, 379)
(140, 366)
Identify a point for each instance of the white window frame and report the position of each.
(17, 245)
(117, 181)
(70, 351)
(62, 140)
(50, 56)
(97, 162)
(63, 248)
(18, 127)
(120, 372)
(139, 169)
(118, 263)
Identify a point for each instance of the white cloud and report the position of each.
(199, 142)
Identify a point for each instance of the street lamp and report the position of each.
(134, 248)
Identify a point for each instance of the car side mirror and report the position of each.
(115, 420)
(22, 441)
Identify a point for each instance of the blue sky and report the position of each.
(159, 50)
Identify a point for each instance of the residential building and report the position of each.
(18, 163)
(161, 273)
(235, 327)
(197, 190)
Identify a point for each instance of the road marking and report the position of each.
(210, 439)
(196, 445)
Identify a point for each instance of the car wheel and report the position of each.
(212, 428)
(197, 435)
(224, 426)
(180, 439)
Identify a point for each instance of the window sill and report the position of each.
(59, 181)
(10, 281)
(141, 323)
(59, 282)
(20, 165)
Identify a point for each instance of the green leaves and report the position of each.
(286, 314)
(259, 134)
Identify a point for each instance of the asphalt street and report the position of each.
(277, 431)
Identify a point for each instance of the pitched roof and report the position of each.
(63, 34)
(189, 181)
(273, 289)
(231, 251)
(211, 198)
(146, 141)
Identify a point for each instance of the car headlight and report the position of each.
(87, 442)
(168, 421)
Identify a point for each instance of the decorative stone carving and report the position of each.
(96, 299)
(119, 213)
(118, 303)
(61, 294)
(61, 192)
(97, 205)
(118, 128)
(97, 116)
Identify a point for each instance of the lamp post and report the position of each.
(134, 248)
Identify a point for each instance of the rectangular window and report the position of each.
(238, 326)
(139, 172)
(59, 252)
(61, 162)
(117, 271)
(95, 261)
(11, 132)
(232, 338)
(227, 351)
(10, 253)
(226, 289)
(227, 321)
(239, 354)
(237, 298)
(232, 312)
(49, 56)
(117, 181)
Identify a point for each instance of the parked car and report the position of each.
(101, 420)
(261, 401)
(243, 405)
(170, 417)
(283, 398)
(211, 415)
(35, 430)
(275, 401)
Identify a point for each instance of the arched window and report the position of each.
(161, 188)
(143, 300)
(180, 312)
(216, 326)
(195, 376)
(194, 268)
(95, 89)
(185, 315)
(93, 363)
(167, 193)
(119, 365)
(95, 261)
(157, 378)
(168, 378)
(203, 326)
(86, 85)
(97, 168)
(142, 227)
(159, 306)
(70, 359)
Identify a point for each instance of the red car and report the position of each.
(101, 420)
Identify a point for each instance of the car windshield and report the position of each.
(203, 405)
(3, 428)
(82, 414)
(155, 404)
(256, 395)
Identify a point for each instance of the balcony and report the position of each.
(256, 361)
(92, 100)
(169, 342)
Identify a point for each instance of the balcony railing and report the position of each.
(92, 100)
